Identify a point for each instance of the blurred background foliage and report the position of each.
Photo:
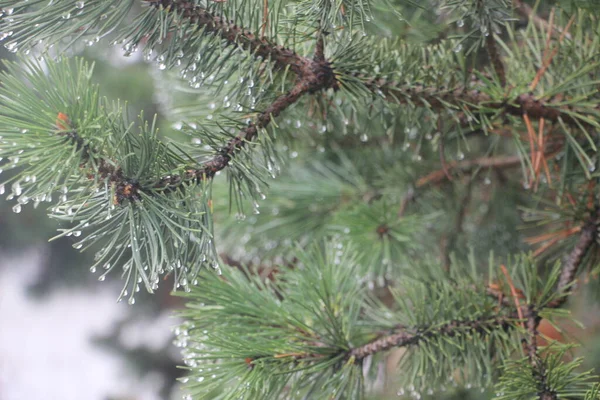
(351, 179)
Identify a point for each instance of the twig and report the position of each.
(232, 33)
(407, 338)
(472, 99)
(526, 11)
(546, 63)
(571, 264)
(513, 291)
(265, 18)
(545, 392)
(467, 165)
(313, 75)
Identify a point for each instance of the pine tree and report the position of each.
(419, 178)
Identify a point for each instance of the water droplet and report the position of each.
(131, 301)
(17, 189)
(460, 23)
(592, 167)
(458, 48)
(80, 4)
(16, 208)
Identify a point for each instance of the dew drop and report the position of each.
(16, 208)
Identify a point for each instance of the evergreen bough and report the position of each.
(311, 299)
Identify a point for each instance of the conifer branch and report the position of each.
(586, 240)
(234, 34)
(526, 11)
(467, 165)
(312, 75)
(408, 337)
(473, 100)
(540, 374)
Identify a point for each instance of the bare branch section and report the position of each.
(525, 10)
(405, 338)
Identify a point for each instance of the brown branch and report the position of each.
(405, 338)
(525, 10)
(571, 264)
(474, 100)
(467, 165)
(232, 33)
(313, 75)
(539, 371)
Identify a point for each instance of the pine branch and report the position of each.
(587, 238)
(312, 75)
(473, 100)
(412, 337)
(234, 34)
(538, 368)
(315, 75)
(525, 10)
(467, 165)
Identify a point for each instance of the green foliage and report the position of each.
(81, 155)
(519, 383)
(241, 335)
(337, 145)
